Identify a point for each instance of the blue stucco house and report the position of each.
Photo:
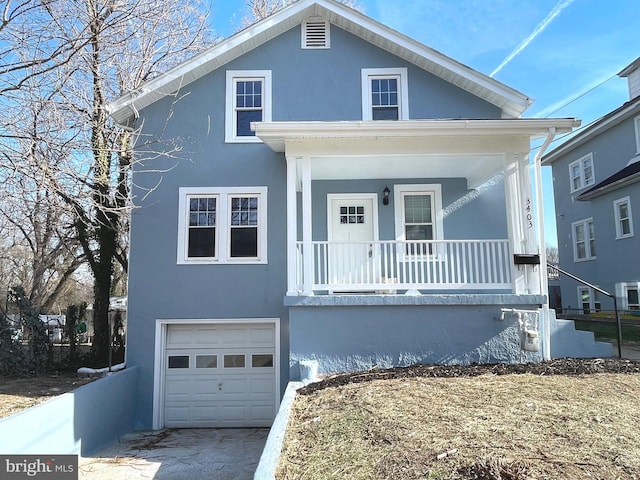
(321, 188)
(596, 189)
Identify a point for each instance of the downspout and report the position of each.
(544, 281)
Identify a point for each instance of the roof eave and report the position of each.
(591, 194)
(598, 127)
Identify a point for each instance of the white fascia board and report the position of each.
(275, 134)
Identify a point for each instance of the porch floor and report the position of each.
(502, 299)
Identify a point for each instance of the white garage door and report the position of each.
(220, 375)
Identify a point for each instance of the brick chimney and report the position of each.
(632, 72)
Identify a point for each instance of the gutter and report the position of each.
(544, 281)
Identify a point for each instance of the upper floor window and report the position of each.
(222, 225)
(622, 212)
(385, 94)
(584, 240)
(636, 122)
(418, 214)
(248, 99)
(581, 173)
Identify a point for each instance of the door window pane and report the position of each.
(206, 361)
(178, 361)
(234, 361)
(259, 360)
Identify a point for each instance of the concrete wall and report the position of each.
(360, 332)
(611, 151)
(77, 422)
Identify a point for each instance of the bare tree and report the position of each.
(553, 258)
(112, 47)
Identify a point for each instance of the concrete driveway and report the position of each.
(178, 454)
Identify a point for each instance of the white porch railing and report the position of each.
(388, 266)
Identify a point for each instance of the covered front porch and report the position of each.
(411, 207)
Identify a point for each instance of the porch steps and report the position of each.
(566, 341)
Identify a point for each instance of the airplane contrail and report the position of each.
(537, 31)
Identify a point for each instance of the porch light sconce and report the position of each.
(385, 198)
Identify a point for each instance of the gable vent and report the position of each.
(315, 33)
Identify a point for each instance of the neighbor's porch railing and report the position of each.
(388, 266)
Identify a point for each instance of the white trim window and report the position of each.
(222, 225)
(632, 300)
(418, 216)
(628, 294)
(584, 240)
(248, 99)
(622, 213)
(588, 300)
(385, 94)
(581, 173)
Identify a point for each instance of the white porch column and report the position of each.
(292, 227)
(521, 220)
(307, 246)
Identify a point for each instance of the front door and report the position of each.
(352, 233)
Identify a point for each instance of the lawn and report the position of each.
(488, 427)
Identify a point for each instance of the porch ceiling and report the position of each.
(405, 166)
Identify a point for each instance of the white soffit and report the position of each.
(512, 102)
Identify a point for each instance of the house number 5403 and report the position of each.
(529, 213)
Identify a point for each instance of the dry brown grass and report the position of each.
(17, 394)
(489, 427)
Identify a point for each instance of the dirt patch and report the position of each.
(565, 419)
(16, 394)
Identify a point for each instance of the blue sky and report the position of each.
(564, 54)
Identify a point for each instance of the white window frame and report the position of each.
(621, 292)
(223, 224)
(433, 189)
(234, 76)
(369, 74)
(581, 164)
(616, 211)
(588, 254)
(636, 122)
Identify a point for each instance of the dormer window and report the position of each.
(315, 33)
(385, 94)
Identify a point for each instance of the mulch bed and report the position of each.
(563, 366)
